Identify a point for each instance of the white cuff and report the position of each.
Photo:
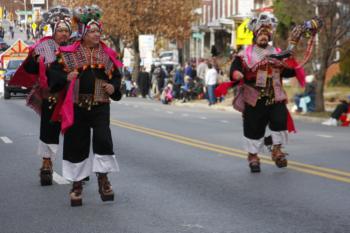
(253, 146)
(105, 163)
(76, 171)
(47, 150)
(279, 137)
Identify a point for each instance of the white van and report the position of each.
(170, 57)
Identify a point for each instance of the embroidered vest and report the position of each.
(266, 73)
(82, 59)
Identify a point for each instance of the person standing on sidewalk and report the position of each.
(211, 78)
(2, 32)
(261, 97)
(28, 32)
(41, 99)
(144, 82)
(12, 31)
(202, 70)
(92, 72)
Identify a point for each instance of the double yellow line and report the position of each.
(328, 173)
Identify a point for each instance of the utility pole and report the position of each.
(25, 14)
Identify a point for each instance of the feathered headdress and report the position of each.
(87, 16)
(56, 16)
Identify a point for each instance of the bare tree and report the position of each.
(332, 38)
(128, 19)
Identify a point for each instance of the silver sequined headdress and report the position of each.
(57, 15)
(264, 20)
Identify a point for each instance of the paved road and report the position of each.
(182, 170)
(18, 34)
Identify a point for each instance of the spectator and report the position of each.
(214, 51)
(193, 73)
(167, 70)
(161, 77)
(2, 32)
(154, 74)
(128, 87)
(210, 82)
(127, 81)
(12, 31)
(202, 69)
(144, 82)
(187, 89)
(28, 32)
(306, 102)
(179, 81)
(198, 89)
(341, 112)
(188, 69)
(167, 93)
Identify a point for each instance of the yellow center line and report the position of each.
(329, 170)
(323, 169)
(301, 167)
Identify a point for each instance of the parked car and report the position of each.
(11, 68)
(29, 42)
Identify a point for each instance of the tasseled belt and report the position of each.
(87, 101)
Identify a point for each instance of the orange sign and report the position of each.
(18, 51)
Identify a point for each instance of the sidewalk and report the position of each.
(18, 34)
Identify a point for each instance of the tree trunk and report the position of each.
(320, 81)
(321, 75)
(180, 51)
(116, 42)
(137, 59)
(181, 57)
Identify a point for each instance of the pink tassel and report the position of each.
(42, 73)
(67, 110)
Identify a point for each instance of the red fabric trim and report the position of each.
(290, 123)
(300, 72)
(56, 113)
(21, 77)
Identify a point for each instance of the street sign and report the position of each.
(36, 14)
(146, 43)
(37, 2)
(244, 35)
(146, 47)
(197, 35)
